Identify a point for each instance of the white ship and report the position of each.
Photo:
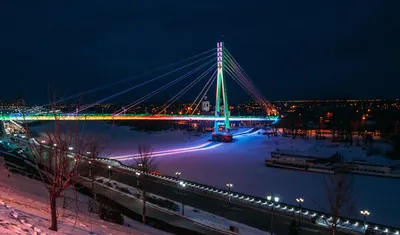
(330, 165)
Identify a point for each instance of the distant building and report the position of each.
(19, 102)
(205, 105)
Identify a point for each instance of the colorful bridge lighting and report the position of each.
(111, 117)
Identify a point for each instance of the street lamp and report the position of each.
(365, 213)
(229, 191)
(90, 169)
(109, 172)
(182, 185)
(276, 200)
(177, 174)
(137, 176)
(300, 201)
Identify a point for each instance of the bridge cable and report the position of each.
(155, 92)
(237, 80)
(142, 84)
(241, 82)
(128, 78)
(239, 69)
(249, 82)
(188, 87)
(246, 80)
(201, 92)
(213, 77)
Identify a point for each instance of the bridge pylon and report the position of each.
(221, 135)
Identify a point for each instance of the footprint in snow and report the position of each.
(28, 225)
(15, 215)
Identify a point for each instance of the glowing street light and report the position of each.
(177, 174)
(70, 148)
(365, 213)
(182, 185)
(109, 172)
(137, 176)
(229, 191)
(300, 201)
(276, 200)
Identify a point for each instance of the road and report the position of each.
(251, 216)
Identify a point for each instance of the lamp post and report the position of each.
(177, 174)
(229, 191)
(365, 213)
(90, 163)
(109, 172)
(182, 185)
(300, 201)
(276, 200)
(137, 178)
(90, 169)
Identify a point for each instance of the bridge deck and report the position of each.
(110, 117)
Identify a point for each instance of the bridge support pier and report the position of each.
(222, 136)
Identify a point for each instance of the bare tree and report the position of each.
(146, 164)
(339, 195)
(58, 158)
(95, 148)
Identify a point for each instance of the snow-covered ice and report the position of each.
(242, 164)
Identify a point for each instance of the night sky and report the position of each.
(290, 49)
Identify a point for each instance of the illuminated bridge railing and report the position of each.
(111, 117)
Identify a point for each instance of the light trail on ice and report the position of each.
(197, 148)
(170, 153)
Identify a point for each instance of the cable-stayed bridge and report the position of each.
(212, 66)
